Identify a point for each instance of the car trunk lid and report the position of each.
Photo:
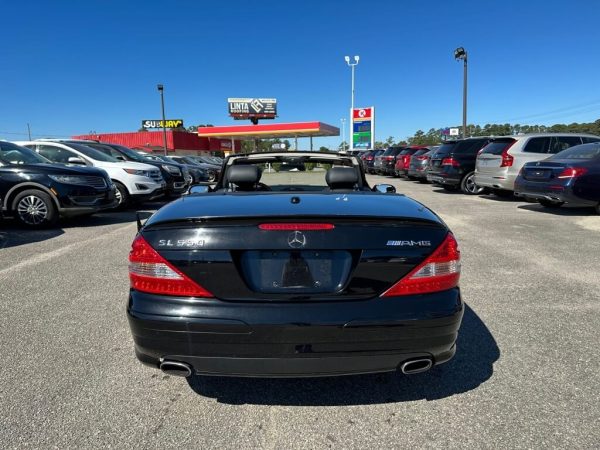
(315, 256)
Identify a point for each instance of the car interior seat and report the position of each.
(342, 178)
(244, 178)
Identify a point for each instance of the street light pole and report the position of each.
(343, 133)
(352, 65)
(164, 122)
(461, 53)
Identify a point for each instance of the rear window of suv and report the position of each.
(444, 149)
(392, 151)
(469, 146)
(497, 146)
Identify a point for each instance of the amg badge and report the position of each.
(409, 243)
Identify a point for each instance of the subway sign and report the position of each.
(363, 128)
(170, 123)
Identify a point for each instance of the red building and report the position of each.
(179, 142)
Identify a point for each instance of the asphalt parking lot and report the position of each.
(526, 373)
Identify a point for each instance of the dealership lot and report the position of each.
(525, 374)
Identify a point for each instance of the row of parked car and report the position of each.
(553, 169)
(45, 179)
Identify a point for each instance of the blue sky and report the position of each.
(68, 67)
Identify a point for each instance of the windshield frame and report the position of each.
(293, 158)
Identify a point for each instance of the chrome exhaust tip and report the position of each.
(176, 368)
(416, 366)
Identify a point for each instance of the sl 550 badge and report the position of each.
(409, 243)
(181, 243)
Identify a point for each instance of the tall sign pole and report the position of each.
(461, 53)
(352, 65)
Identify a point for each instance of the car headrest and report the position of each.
(244, 177)
(341, 178)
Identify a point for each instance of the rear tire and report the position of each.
(468, 186)
(35, 209)
(550, 204)
(122, 195)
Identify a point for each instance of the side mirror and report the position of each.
(199, 189)
(76, 160)
(120, 158)
(384, 188)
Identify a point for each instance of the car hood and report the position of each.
(128, 165)
(267, 204)
(59, 169)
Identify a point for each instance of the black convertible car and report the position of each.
(294, 273)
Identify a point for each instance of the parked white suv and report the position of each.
(133, 180)
(498, 163)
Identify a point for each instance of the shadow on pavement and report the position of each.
(472, 365)
(560, 211)
(12, 234)
(497, 198)
(444, 191)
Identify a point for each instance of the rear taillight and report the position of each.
(450, 162)
(572, 172)
(507, 160)
(439, 272)
(150, 272)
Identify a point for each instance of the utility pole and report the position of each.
(29, 131)
(164, 122)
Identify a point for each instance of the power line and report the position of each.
(14, 133)
(555, 112)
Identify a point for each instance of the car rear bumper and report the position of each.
(295, 339)
(417, 172)
(539, 191)
(495, 181)
(443, 180)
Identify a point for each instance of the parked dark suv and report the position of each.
(453, 165)
(36, 192)
(369, 161)
(386, 162)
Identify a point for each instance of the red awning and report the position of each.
(273, 130)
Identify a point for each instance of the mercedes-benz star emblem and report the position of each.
(296, 239)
